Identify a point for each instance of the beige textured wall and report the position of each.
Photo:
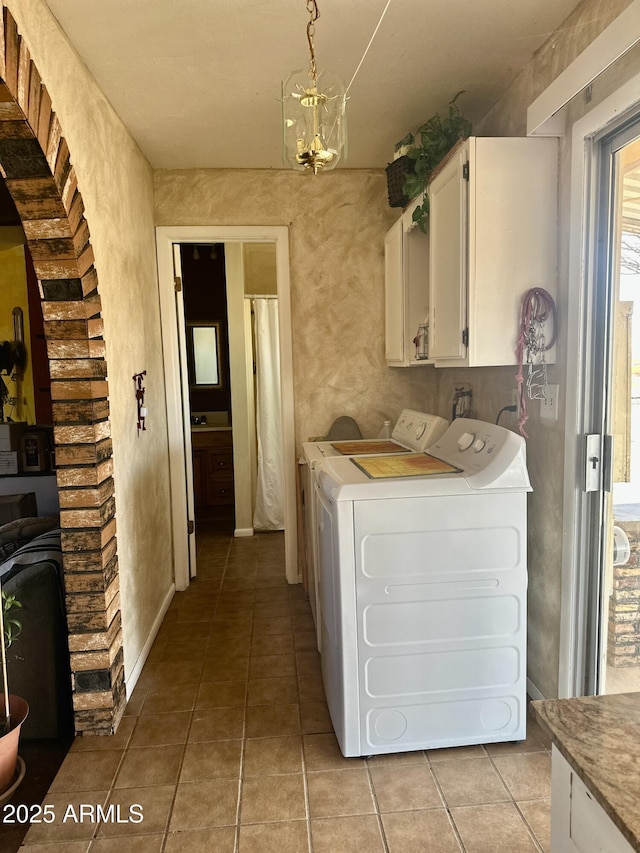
(118, 196)
(337, 223)
(492, 387)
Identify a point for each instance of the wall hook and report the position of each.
(142, 410)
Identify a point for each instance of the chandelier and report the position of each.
(313, 113)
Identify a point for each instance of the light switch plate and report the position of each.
(549, 406)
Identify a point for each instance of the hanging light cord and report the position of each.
(314, 13)
(366, 51)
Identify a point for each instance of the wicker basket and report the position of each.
(396, 173)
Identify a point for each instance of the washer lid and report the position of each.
(343, 480)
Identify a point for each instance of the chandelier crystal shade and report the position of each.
(313, 114)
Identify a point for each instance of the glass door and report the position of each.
(614, 611)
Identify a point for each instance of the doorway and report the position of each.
(178, 413)
(206, 334)
(614, 620)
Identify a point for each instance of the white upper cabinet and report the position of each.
(406, 267)
(493, 231)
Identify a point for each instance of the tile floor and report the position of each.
(227, 746)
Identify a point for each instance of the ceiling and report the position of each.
(197, 82)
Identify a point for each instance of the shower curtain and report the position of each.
(269, 510)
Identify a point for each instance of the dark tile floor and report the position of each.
(227, 746)
(42, 759)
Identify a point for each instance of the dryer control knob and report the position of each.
(466, 440)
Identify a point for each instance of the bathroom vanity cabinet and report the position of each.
(212, 466)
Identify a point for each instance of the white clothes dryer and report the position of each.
(422, 583)
(413, 431)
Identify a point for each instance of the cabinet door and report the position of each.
(448, 217)
(394, 296)
(220, 491)
(220, 463)
(579, 824)
(415, 245)
(406, 255)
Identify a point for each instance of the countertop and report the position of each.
(600, 737)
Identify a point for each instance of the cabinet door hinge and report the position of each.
(465, 171)
(465, 337)
(177, 282)
(190, 526)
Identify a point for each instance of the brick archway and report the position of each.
(36, 165)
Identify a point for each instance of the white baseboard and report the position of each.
(534, 691)
(132, 678)
(243, 531)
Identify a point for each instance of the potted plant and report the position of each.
(15, 708)
(436, 137)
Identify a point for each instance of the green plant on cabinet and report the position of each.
(434, 139)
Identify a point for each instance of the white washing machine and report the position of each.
(422, 582)
(413, 431)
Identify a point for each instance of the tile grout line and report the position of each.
(374, 796)
(305, 782)
(533, 835)
(513, 799)
(243, 747)
(443, 799)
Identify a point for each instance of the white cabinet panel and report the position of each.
(448, 205)
(493, 236)
(394, 338)
(406, 258)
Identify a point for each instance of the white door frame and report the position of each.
(581, 270)
(166, 236)
(546, 117)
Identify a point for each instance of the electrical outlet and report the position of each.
(515, 401)
(549, 406)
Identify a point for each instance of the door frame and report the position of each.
(602, 119)
(166, 236)
(547, 116)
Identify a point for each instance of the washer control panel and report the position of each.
(469, 440)
(418, 430)
(471, 444)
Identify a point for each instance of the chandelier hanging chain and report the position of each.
(312, 9)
